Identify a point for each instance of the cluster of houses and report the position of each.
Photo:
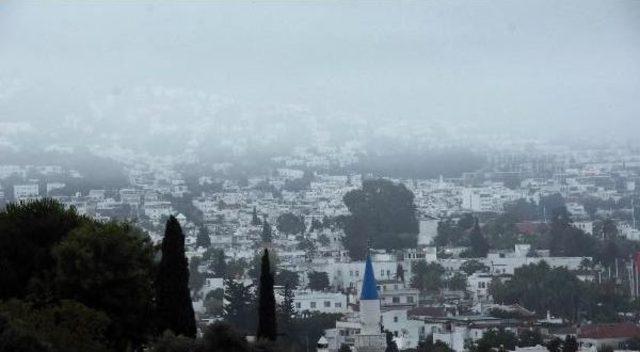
(376, 294)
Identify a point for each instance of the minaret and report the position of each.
(369, 302)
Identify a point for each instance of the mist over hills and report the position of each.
(228, 77)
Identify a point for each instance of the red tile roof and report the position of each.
(606, 331)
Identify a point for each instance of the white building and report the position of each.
(477, 200)
(318, 301)
(478, 285)
(350, 275)
(26, 192)
(156, 210)
(394, 293)
(406, 333)
(54, 185)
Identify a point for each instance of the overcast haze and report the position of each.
(572, 64)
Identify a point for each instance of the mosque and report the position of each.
(363, 332)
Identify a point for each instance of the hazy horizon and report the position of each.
(105, 70)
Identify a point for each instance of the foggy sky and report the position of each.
(516, 65)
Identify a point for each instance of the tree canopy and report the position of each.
(318, 280)
(427, 277)
(96, 277)
(289, 223)
(109, 267)
(29, 231)
(383, 215)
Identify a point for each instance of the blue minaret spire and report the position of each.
(369, 285)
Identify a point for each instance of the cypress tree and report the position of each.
(174, 307)
(479, 245)
(267, 328)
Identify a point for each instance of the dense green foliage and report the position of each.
(17, 340)
(540, 288)
(240, 308)
(493, 339)
(427, 277)
(291, 224)
(454, 233)
(66, 326)
(288, 278)
(203, 240)
(109, 267)
(96, 279)
(267, 328)
(173, 299)
(318, 280)
(82, 285)
(28, 232)
(478, 245)
(383, 215)
(217, 262)
(457, 282)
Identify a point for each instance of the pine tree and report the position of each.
(267, 233)
(287, 310)
(479, 245)
(174, 307)
(240, 306)
(267, 328)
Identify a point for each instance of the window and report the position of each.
(396, 299)
(395, 320)
(357, 273)
(313, 304)
(395, 333)
(338, 305)
(388, 273)
(409, 299)
(298, 305)
(327, 304)
(350, 272)
(382, 272)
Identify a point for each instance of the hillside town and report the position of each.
(444, 288)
